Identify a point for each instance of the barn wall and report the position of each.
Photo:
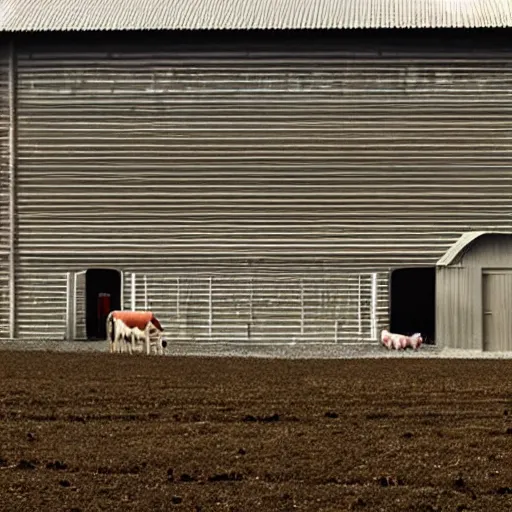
(277, 295)
(236, 156)
(174, 159)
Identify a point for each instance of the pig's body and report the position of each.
(399, 341)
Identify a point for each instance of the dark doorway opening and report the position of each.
(103, 295)
(413, 302)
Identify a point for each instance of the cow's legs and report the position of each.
(120, 343)
(115, 334)
(146, 333)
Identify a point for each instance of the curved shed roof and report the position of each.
(88, 15)
(457, 250)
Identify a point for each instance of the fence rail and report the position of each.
(261, 308)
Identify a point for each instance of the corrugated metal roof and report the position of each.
(462, 244)
(85, 15)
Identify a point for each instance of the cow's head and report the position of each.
(111, 327)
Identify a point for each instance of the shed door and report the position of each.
(497, 311)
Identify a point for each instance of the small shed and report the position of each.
(474, 293)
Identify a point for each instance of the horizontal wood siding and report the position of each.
(161, 161)
(4, 191)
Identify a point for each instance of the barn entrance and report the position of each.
(91, 295)
(102, 295)
(413, 301)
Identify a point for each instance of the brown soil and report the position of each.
(114, 432)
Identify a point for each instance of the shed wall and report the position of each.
(490, 251)
(458, 308)
(174, 160)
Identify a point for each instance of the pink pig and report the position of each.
(415, 341)
(385, 339)
(399, 341)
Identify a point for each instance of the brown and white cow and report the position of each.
(156, 341)
(127, 329)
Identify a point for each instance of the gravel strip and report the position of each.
(274, 351)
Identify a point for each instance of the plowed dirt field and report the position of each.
(113, 432)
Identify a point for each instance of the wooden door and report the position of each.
(497, 311)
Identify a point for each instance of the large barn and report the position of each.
(249, 170)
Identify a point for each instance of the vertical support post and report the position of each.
(122, 291)
(74, 306)
(251, 319)
(302, 315)
(178, 320)
(210, 307)
(373, 311)
(133, 295)
(69, 299)
(145, 292)
(12, 190)
(359, 319)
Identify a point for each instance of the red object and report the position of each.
(137, 319)
(103, 306)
